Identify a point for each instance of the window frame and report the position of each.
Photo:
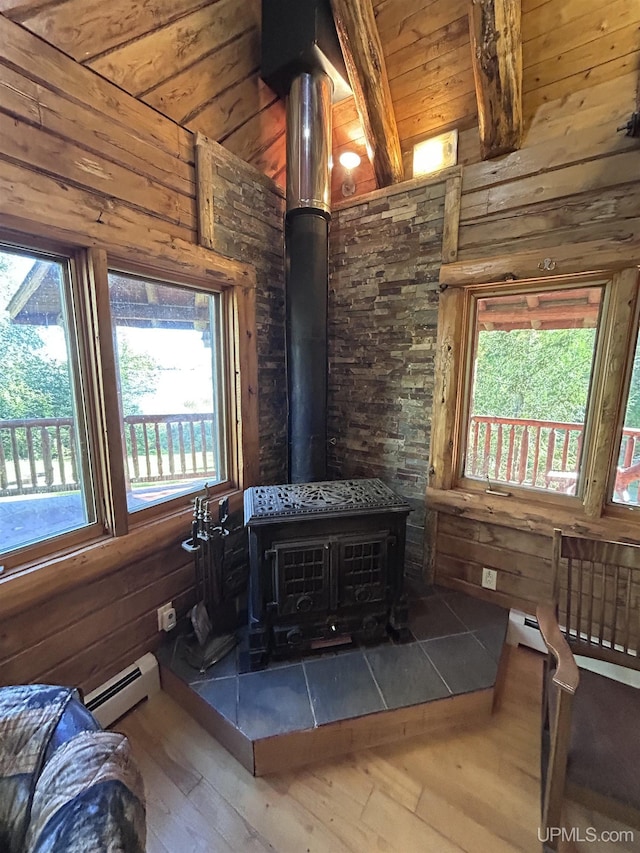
(226, 417)
(77, 318)
(605, 410)
(470, 341)
(614, 508)
(92, 327)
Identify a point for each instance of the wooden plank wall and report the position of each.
(567, 47)
(574, 181)
(195, 61)
(71, 161)
(84, 162)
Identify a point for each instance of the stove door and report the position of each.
(302, 576)
(362, 565)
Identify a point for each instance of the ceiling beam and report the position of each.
(362, 51)
(496, 52)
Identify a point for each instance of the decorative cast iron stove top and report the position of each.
(268, 503)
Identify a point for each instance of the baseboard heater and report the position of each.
(524, 631)
(118, 695)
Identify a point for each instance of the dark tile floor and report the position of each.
(455, 646)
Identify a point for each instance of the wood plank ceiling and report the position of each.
(197, 62)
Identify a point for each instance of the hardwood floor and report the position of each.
(477, 791)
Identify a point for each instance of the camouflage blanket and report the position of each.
(86, 795)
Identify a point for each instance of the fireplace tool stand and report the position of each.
(207, 545)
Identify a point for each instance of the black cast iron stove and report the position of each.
(326, 566)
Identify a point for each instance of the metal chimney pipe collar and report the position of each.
(309, 142)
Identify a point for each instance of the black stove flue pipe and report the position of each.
(306, 236)
(301, 61)
(307, 273)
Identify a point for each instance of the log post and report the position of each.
(496, 55)
(362, 51)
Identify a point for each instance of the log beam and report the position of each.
(362, 51)
(496, 52)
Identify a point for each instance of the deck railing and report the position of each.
(522, 451)
(40, 455)
(542, 454)
(170, 447)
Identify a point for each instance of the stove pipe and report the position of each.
(306, 247)
(302, 62)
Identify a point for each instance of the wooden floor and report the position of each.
(477, 791)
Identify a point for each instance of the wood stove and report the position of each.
(326, 566)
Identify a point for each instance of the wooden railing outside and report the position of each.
(628, 474)
(40, 455)
(522, 451)
(170, 447)
(542, 454)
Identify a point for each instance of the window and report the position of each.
(627, 475)
(533, 355)
(537, 393)
(168, 342)
(46, 484)
(122, 394)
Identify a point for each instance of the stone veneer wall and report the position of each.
(248, 223)
(385, 253)
(385, 256)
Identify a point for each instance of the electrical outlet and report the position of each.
(489, 578)
(166, 617)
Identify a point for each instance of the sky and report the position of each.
(184, 379)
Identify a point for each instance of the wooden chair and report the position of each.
(591, 723)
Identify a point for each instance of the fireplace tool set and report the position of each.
(207, 544)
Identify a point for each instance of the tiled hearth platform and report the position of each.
(338, 701)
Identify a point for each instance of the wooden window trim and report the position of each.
(38, 572)
(552, 499)
(77, 268)
(523, 507)
(106, 409)
(240, 362)
(608, 414)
